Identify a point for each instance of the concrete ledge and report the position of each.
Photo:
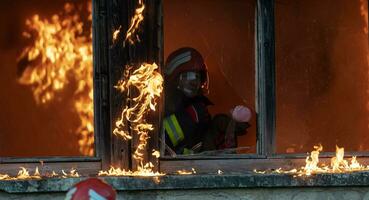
(174, 182)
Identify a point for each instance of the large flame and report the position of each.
(147, 82)
(62, 53)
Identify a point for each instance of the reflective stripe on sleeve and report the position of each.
(173, 129)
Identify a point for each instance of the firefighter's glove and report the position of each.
(241, 114)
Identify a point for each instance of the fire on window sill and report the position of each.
(209, 181)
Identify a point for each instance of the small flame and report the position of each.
(24, 174)
(146, 171)
(4, 177)
(338, 164)
(53, 174)
(116, 34)
(131, 35)
(186, 172)
(313, 160)
(61, 49)
(156, 153)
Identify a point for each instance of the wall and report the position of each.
(338, 193)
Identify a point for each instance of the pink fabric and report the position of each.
(241, 114)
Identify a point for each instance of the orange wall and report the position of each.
(322, 75)
(27, 129)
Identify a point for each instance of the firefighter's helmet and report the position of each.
(92, 188)
(186, 59)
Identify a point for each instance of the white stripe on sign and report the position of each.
(70, 193)
(180, 59)
(94, 195)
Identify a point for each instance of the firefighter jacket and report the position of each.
(185, 127)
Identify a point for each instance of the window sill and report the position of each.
(173, 182)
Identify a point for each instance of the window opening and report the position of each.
(47, 101)
(209, 72)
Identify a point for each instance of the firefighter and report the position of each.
(187, 123)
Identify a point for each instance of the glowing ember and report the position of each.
(61, 53)
(156, 153)
(145, 171)
(131, 35)
(186, 172)
(338, 164)
(116, 34)
(148, 83)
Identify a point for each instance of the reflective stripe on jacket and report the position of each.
(173, 129)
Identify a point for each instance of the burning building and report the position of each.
(84, 86)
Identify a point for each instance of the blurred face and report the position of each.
(190, 83)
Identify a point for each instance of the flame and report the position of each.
(156, 153)
(24, 174)
(61, 53)
(72, 173)
(148, 83)
(4, 177)
(131, 35)
(186, 172)
(116, 34)
(313, 160)
(338, 164)
(144, 171)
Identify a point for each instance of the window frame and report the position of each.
(265, 83)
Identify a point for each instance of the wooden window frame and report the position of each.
(266, 156)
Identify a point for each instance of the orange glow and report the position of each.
(364, 14)
(61, 53)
